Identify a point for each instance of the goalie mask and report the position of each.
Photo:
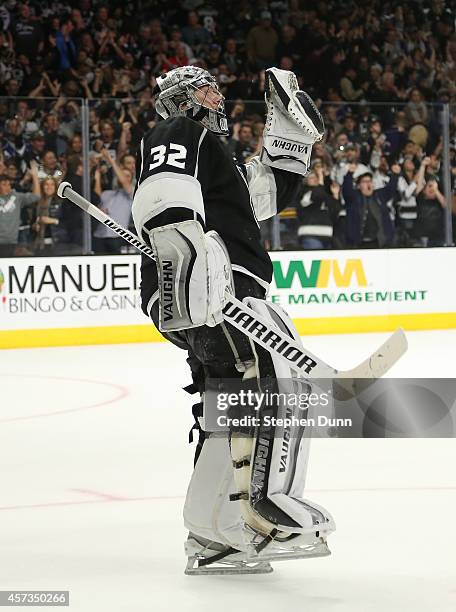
(180, 93)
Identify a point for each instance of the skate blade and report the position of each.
(311, 551)
(227, 568)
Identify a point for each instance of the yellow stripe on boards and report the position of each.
(124, 334)
(375, 323)
(73, 336)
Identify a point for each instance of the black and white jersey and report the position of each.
(185, 172)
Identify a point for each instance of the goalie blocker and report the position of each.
(194, 274)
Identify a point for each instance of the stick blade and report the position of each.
(349, 383)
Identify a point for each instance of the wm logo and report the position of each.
(320, 273)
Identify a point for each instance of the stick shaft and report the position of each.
(66, 191)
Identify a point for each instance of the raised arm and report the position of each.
(348, 191)
(419, 178)
(293, 125)
(440, 197)
(124, 181)
(389, 190)
(271, 189)
(36, 186)
(123, 145)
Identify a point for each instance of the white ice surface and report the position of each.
(94, 463)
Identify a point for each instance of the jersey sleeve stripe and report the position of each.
(142, 158)
(203, 134)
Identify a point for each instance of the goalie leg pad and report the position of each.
(272, 465)
(247, 490)
(208, 513)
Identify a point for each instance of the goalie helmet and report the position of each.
(175, 95)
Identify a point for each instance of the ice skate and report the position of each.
(211, 558)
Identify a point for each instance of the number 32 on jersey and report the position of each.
(173, 155)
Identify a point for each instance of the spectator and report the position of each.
(416, 110)
(369, 224)
(72, 216)
(242, 143)
(213, 59)
(396, 135)
(289, 45)
(117, 204)
(176, 38)
(128, 162)
(350, 128)
(65, 44)
(317, 212)
(13, 174)
(11, 205)
(262, 41)
(232, 57)
(28, 33)
(26, 117)
(346, 154)
(410, 182)
(35, 149)
(332, 70)
(194, 34)
(347, 85)
(380, 175)
(50, 167)
(179, 58)
(47, 231)
(286, 63)
(12, 87)
(320, 151)
(106, 138)
(53, 139)
(430, 220)
(74, 151)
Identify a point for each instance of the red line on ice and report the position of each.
(107, 498)
(122, 392)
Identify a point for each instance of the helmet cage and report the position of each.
(177, 97)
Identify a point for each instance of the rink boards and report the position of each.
(95, 300)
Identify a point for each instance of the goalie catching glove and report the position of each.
(194, 272)
(293, 123)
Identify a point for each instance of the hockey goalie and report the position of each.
(199, 211)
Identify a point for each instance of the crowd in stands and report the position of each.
(379, 71)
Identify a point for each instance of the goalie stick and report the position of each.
(266, 335)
